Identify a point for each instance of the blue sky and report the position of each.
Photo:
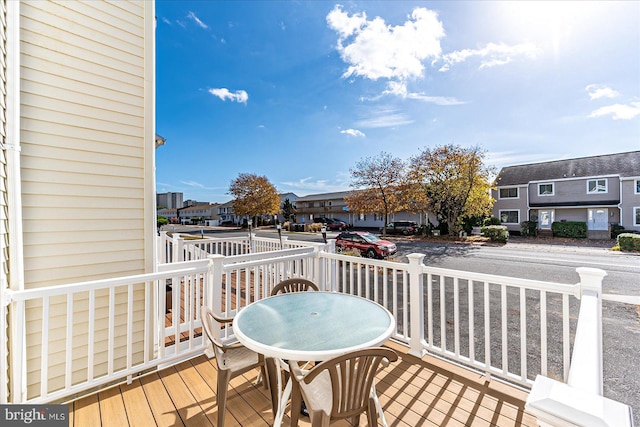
(299, 91)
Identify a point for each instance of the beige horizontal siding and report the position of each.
(84, 166)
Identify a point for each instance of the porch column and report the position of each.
(580, 402)
(416, 305)
(213, 294)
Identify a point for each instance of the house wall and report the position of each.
(574, 191)
(87, 136)
(511, 204)
(329, 208)
(630, 201)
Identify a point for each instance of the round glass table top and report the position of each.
(312, 325)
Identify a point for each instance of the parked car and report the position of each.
(401, 227)
(369, 245)
(332, 223)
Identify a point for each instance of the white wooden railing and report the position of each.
(511, 329)
(185, 247)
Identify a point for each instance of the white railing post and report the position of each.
(18, 353)
(177, 246)
(318, 275)
(213, 285)
(586, 360)
(580, 400)
(416, 305)
(252, 243)
(213, 295)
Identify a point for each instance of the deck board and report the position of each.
(160, 403)
(112, 406)
(136, 404)
(426, 392)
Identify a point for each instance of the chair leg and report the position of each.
(319, 419)
(224, 376)
(296, 402)
(372, 419)
(272, 371)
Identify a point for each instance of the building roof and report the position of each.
(623, 164)
(323, 196)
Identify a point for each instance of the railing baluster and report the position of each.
(472, 348)
(91, 334)
(503, 318)
(566, 353)
(487, 328)
(523, 334)
(44, 343)
(68, 363)
(429, 309)
(543, 333)
(405, 303)
(129, 326)
(456, 316)
(443, 318)
(111, 329)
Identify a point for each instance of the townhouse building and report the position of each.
(598, 190)
(334, 205)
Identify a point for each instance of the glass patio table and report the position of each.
(311, 326)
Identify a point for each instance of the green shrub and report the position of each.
(492, 221)
(629, 241)
(162, 220)
(497, 233)
(572, 229)
(529, 228)
(616, 230)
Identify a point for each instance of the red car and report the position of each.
(332, 223)
(369, 245)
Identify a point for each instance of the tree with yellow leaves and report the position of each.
(454, 181)
(254, 195)
(380, 186)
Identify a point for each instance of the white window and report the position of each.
(637, 186)
(596, 186)
(510, 217)
(545, 189)
(508, 193)
(636, 216)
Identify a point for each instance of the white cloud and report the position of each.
(166, 21)
(400, 89)
(224, 94)
(385, 118)
(600, 91)
(353, 132)
(196, 184)
(197, 20)
(491, 55)
(376, 50)
(618, 111)
(310, 186)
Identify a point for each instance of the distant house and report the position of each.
(199, 214)
(226, 215)
(599, 190)
(293, 198)
(333, 205)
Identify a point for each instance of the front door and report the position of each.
(598, 219)
(545, 219)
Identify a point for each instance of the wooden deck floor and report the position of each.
(413, 392)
